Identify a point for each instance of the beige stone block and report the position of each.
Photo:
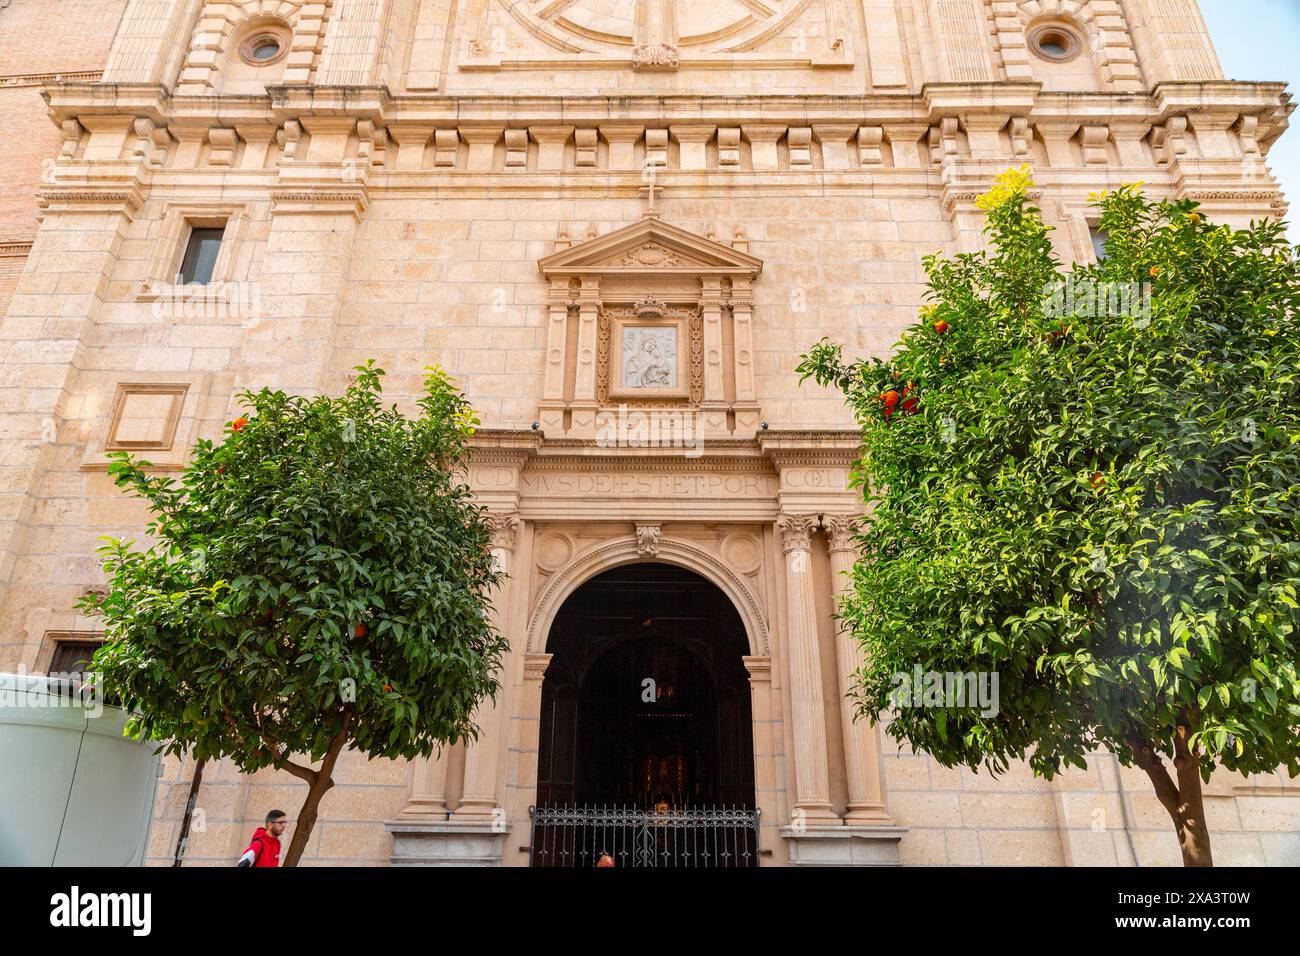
(1269, 813)
(963, 847)
(907, 772)
(1020, 848)
(916, 809)
(986, 810)
(1091, 848)
(923, 848)
(1280, 849)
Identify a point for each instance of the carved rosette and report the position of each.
(796, 531)
(647, 540)
(841, 532)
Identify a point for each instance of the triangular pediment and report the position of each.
(650, 247)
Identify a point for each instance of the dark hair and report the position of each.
(273, 816)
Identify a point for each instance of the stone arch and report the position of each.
(621, 551)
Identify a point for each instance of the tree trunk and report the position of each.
(1182, 801)
(320, 782)
(183, 840)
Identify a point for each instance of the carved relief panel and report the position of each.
(654, 35)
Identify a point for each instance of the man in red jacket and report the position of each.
(264, 850)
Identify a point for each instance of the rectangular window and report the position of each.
(201, 255)
(72, 656)
(1099, 237)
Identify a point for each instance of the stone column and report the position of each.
(812, 804)
(861, 737)
(480, 801)
(428, 799)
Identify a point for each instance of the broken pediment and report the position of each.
(651, 247)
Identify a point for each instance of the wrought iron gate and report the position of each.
(577, 835)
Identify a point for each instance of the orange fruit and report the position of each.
(941, 326)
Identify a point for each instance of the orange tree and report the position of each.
(318, 580)
(1088, 483)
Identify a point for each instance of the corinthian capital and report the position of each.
(840, 532)
(796, 531)
(504, 528)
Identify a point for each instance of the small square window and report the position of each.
(72, 657)
(201, 255)
(1099, 237)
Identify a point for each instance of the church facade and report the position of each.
(617, 224)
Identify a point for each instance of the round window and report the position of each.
(266, 50)
(264, 47)
(1055, 42)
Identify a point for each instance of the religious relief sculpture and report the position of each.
(649, 357)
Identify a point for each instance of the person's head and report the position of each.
(276, 821)
(605, 861)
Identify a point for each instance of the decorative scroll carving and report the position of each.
(647, 540)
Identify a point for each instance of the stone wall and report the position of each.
(389, 184)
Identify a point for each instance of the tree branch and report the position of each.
(1144, 754)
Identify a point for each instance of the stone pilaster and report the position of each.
(481, 801)
(866, 804)
(151, 37)
(353, 41)
(812, 806)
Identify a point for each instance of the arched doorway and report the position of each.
(646, 715)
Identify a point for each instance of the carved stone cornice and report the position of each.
(796, 531)
(327, 200)
(91, 198)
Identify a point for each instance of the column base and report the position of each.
(843, 845)
(447, 843)
(867, 815)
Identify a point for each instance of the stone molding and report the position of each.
(626, 550)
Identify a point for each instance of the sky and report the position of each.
(1260, 40)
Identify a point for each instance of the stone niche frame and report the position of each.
(650, 273)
